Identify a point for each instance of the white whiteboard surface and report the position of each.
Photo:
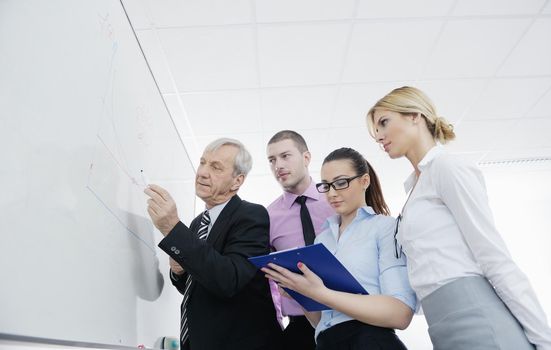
(80, 117)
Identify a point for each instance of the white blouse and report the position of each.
(447, 232)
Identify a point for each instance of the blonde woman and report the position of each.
(473, 295)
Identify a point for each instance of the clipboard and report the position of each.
(322, 262)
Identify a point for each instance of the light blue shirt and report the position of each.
(366, 249)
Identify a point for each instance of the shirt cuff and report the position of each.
(174, 276)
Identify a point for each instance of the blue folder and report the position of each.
(322, 262)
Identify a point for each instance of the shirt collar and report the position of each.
(433, 153)
(215, 211)
(311, 192)
(334, 220)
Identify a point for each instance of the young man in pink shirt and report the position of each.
(295, 218)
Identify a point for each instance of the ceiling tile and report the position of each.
(479, 136)
(508, 98)
(356, 138)
(474, 48)
(526, 134)
(256, 146)
(297, 107)
(301, 54)
(355, 100)
(403, 8)
(211, 58)
(223, 112)
(452, 98)
(156, 58)
(497, 7)
(389, 51)
(542, 108)
(532, 56)
(304, 10)
(178, 13)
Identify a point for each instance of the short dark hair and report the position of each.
(290, 135)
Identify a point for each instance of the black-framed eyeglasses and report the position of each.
(397, 246)
(339, 184)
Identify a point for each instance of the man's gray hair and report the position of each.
(243, 160)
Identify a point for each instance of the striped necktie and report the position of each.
(184, 327)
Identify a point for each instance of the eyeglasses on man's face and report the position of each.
(339, 184)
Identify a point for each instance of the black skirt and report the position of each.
(355, 335)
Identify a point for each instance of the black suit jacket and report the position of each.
(230, 305)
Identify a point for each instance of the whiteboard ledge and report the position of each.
(15, 339)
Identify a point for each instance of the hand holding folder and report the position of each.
(321, 262)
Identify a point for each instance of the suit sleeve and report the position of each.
(179, 281)
(223, 273)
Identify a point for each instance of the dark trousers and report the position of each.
(299, 334)
(355, 335)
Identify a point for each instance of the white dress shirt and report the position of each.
(214, 213)
(447, 232)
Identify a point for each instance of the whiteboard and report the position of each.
(81, 116)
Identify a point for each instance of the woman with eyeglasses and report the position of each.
(473, 295)
(361, 237)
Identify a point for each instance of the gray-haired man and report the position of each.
(226, 300)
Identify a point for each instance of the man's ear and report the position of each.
(237, 182)
(307, 157)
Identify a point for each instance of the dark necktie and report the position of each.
(184, 327)
(307, 226)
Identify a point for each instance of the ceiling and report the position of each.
(249, 68)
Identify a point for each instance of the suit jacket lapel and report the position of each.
(219, 230)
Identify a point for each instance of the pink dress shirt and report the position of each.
(286, 232)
